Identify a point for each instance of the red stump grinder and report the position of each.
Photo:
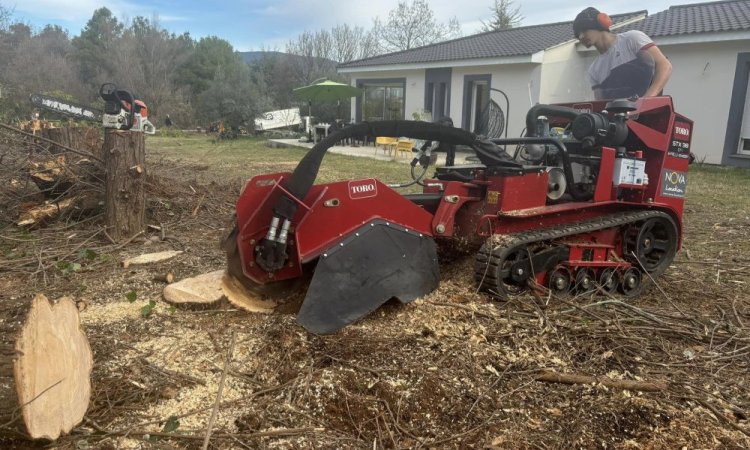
(591, 198)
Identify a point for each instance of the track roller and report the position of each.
(631, 282)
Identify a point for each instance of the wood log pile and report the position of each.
(54, 174)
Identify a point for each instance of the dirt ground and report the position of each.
(452, 370)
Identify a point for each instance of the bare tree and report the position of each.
(350, 43)
(504, 16)
(413, 25)
(313, 51)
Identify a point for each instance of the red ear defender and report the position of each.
(604, 20)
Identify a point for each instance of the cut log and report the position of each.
(51, 369)
(150, 258)
(201, 290)
(166, 278)
(80, 204)
(125, 189)
(629, 385)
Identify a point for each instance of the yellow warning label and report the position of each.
(493, 197)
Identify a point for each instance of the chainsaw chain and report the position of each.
(491, 256)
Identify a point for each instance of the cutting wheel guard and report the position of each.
(364, 271)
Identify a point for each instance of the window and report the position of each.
(383, 100)
(476, 103)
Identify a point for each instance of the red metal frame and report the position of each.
(491, 204)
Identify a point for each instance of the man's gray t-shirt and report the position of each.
(624, 70)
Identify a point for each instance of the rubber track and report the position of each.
(494, 256)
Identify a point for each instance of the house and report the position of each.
(708, 45)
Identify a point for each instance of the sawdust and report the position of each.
(107, 313)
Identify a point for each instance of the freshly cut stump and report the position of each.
(201, 290)
(242, 298)
(52, 368)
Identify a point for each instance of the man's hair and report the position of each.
(591, 19)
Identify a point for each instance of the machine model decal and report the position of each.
(584, 107)
(673, 183)
(679, 146)
(362, 189)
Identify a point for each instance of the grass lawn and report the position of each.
(249, 156)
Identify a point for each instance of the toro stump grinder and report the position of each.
(591, 198)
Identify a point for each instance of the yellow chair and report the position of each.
(388, 144)
(404, 146)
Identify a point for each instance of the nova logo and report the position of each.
(676, 177)
(362, 189)
(674, 184)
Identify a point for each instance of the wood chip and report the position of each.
(150, 258)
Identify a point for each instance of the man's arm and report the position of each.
(662, 71)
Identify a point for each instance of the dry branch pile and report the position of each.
(53, 176)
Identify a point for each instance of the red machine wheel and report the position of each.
(492, 271)
(631, 282)
(654, 244)
(608, 279)
(560, 281)
(584, 280)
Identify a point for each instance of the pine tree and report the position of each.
(504, 16)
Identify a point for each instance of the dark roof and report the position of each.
(710, 17)
(492, 44)
(731, 15)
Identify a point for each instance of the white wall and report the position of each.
(701, 88)
(564, 77)
(520, 82)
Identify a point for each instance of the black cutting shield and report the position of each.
(376, 263)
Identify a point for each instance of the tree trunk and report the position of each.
(49, 359)
(124, 161)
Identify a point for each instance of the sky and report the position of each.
(270, 24)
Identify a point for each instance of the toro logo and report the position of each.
(362, 189)
(682, 131)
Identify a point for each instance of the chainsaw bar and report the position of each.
(67, 108)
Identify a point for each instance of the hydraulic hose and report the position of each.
(304, 174)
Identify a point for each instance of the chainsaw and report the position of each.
(121, 110)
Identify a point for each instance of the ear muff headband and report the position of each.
(604, 20)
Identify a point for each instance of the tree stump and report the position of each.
(86, 139)
(51, 369)
(125, 162)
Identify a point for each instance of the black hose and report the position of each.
(304, 174)
(547, 110)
